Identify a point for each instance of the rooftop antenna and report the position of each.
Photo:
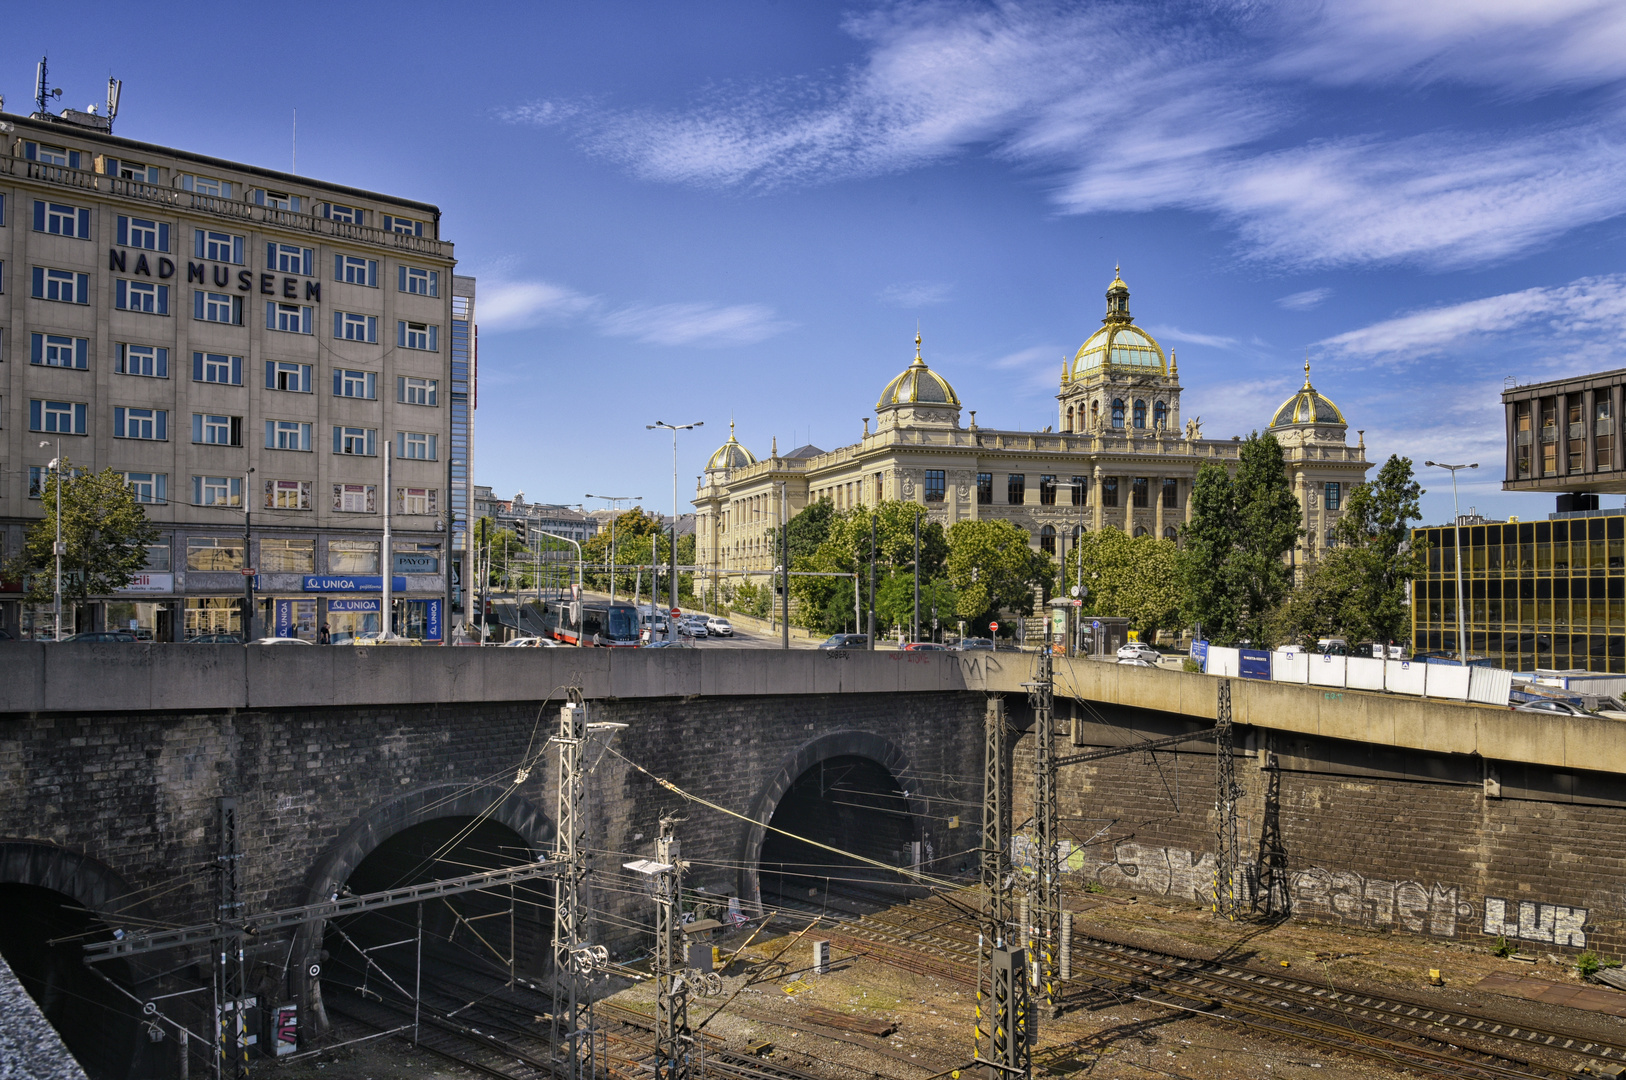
(114, 88)
(42, 90)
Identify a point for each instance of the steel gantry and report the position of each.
(672, 1036)
(1044, 904)
(574, 959)
(1000, 1037)
(1228, 886)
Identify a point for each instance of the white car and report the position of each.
(1135, 661)
(1138, 650)
(530, 643)
(719, 626)
(279, 641)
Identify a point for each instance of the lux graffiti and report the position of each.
(221, 275)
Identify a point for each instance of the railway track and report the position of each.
(934, 937)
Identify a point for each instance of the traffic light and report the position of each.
(522, 530)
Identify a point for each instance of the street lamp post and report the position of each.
(1456, 537)
(57, 547)
(671, 630)
(612, 500)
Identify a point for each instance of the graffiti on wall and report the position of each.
(1344, 896)
(1531, 920)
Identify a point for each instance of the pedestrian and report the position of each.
(322, 635)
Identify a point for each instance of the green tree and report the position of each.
(632, 533)
(895, 604)
(1320, 606)
(824, 604)
(506, 568)
(1138, 578)
(992, 569)
(1267, 516)
(1374, 535)
(1213, 598)
(808, 529)
(105, 532)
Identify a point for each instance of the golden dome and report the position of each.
(918, 385)
(1119, 342)
(1308, 406)
(731, 455)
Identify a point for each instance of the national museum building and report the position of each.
(1122, 457)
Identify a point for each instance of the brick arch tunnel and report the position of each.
(52, 901)
(847, 790)
(443, 831)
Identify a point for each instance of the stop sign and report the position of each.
(993, 626)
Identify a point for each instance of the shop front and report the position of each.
(351, 606)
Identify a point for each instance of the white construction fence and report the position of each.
(1489, 686)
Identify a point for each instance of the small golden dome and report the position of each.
(918, 385)
(1308, 406)
(731, 455)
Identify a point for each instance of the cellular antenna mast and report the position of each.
(114, 88)
(43, 93)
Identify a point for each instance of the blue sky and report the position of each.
(692, 212)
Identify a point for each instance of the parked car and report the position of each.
(693, 625)
(1332, 646)
(1136, 661)
(1552, 708)
(719, 626)
(1138, 650)
(659, 623)
(103, 637)
(678, 644)
(215, 639)
(845, 641)
(975, 644)
(925, 646)
(530, 643)
(279, 641)
(377, 638)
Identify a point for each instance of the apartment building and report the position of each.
(246, 347)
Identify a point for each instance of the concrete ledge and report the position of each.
(1427, 724)
(78, 678)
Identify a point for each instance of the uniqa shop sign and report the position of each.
(373, 583)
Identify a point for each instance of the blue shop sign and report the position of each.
(375, 583)
(345, 604)
(431, 627)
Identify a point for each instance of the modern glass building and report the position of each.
(1548, 594)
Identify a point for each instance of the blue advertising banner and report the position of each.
(1199, 653)
(346, 604)
(431, 622)
(375, 583)
(1255, 664)
(285, 618)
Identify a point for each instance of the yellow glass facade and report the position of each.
(1548, 594)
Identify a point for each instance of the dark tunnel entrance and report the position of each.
(99, 1025)
(850, 803)
(473, 942)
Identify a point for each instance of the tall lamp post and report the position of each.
(1456, 537)
(57, 548)
(671, 631)
(612, 500)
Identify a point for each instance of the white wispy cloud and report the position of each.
(1037, 356)
(912, 294)
(693, 324)
(1591, 311)
(1212, 341)
(1211, 89)
(1304, 301)
(512, 305)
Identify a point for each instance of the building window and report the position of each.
(1140, 530)
(1160, 416)
(414, 391)
(1603, 432)
(217, 368)
(212, 430)
(149, 360)
(1069, 418)
(51, 155)
(350, 215)
(1549, 436)
(1109, 491)
(1047, 491)
(288, 258)
(148, 297)
(214, 552)
(1171, 493)
(1332, 539)
(1080, 490)
(1016, 488)
(281, 555)
(1047, 539)
(354, 270)
(218, 307)
(409, 500)
(216, 491)
(415, 445)
(355, 499)
(1140, 492)
(206, 185)
(1523, 437)
(415, 335)
(60, 220)
(63, 286)
(1333, 494)
(148, 488)
(58, 417)
(133, 170)
(1118, 413)
(1577, 435)
(355, 384)
(1140, 414)
(355, 440)
(348, 326)
(55, 350)
(1171, 534)
(286, 495)
(289, 318)
(417, 280)
(352, 556)
(141, 424)
(1095, 414)
(275, 200)
(402, 225)
(287, 435)
(217, 247)
(143, 233)
(985, 489)
(286, 375)
(936, 485)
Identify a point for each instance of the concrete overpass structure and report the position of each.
(365, 768)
